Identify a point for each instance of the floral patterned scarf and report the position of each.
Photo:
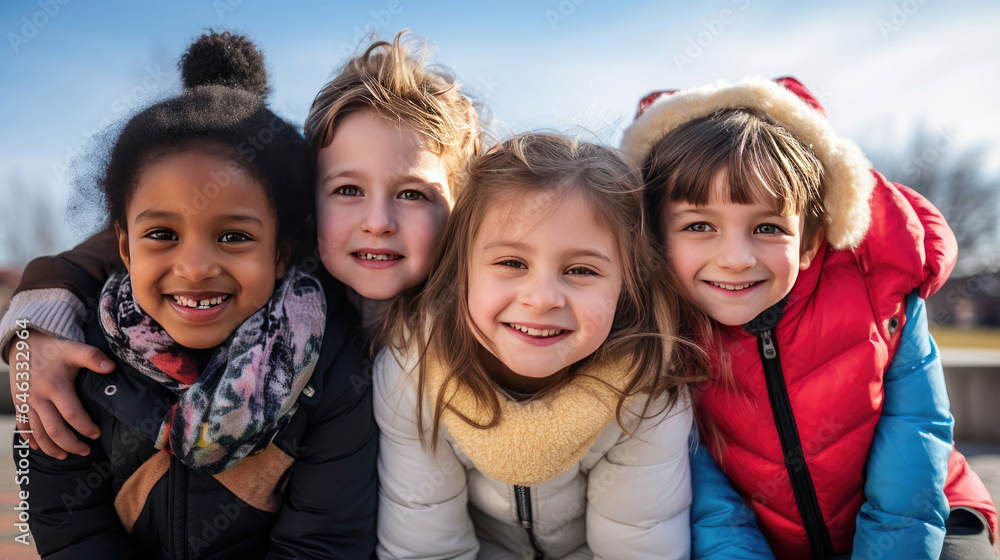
(233, 406)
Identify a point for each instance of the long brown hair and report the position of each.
(644, 333)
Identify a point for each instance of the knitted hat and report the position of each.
(847, 177)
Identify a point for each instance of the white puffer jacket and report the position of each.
(591, 490)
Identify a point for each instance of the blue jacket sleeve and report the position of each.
(722, 526)
(906, 508)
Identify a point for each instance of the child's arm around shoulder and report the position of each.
(722, 526)
(49, 301)
(908, 459)
(639, 493)
(423, 496)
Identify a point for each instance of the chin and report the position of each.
(198, 343)
(738, 322)
(732, 319)
(535, 372)
(376, 294)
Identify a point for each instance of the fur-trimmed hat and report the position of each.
(847, 177)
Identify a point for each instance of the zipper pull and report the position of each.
(523, 509)
(770, 352)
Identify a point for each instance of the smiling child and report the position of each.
(232, 397)
(534, 404)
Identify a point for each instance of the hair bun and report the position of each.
(227, 60)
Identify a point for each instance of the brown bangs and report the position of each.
(761, 161)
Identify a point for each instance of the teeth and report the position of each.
(732, 287)
(541, 333)
(200, 304)
(377, 257)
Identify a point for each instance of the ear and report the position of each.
(807, 256)
(123, 247)
(282, 257)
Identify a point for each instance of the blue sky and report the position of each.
(881, 68)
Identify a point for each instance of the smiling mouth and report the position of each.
(539, 333)
(733, 287)
(377, 256)
(200, 304)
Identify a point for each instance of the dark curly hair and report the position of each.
(221, 110)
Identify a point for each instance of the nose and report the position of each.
(542, 293)
(380, 217)
(196, 262)
(736, 253)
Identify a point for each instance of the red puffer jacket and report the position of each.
(832, 345)
(796, 425)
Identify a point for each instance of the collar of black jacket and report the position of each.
(768, 319)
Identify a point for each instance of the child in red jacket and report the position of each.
(803, 259)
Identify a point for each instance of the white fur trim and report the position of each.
(847, 173)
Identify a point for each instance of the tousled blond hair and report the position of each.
(645, 329)
(401, 87)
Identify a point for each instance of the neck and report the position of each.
(512, 381)
(372, 311)
(201, 356)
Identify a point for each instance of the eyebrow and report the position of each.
(348, 173)
(518, 246)
(163, 214)
(406, 179)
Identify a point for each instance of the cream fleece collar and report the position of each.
(536, 440)
(847, 173)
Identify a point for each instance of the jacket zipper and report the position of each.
(523, 496)
(791, 445)
(179, 514)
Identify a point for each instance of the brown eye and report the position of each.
(234, 237)
(348, 190)
(511, 263)
(699, 227)
(162, 235)
(411, 195)
(582, 271)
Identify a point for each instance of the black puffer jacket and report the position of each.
(325, 501)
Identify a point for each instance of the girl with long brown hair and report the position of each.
(532, 399)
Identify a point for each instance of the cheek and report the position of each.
(480, 303)
(677, 260)
(599, 315)
(427, 232)
(609, 306)
(256, 275)
(334, 225)
(790, 262)
(144, 290)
